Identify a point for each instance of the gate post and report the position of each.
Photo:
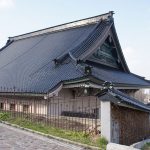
(106, 120)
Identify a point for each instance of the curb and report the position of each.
(85, 146)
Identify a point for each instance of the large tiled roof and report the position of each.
(27, 61)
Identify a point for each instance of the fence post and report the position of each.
(106, 120)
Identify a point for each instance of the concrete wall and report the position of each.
(130, 124)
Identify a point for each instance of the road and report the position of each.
(16, 139)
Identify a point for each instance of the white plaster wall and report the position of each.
(65, 101)
(106, 120)
(79, 104)
(18, 107)
(38, 108)
(6, 106)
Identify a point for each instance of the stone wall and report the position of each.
(129, 124)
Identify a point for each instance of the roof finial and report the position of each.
(111, 13)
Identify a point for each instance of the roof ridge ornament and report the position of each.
(60, 60)
(111, 13)
(108, 85)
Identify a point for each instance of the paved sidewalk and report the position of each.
(16, 139)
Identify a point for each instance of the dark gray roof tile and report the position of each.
(28, 63)
(120, 98)
(92, 38)
(116, 76)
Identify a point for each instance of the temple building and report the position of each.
(73, 61)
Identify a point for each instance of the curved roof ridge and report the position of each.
(57, 28)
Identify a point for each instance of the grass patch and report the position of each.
(4, 116)
(66, 134)
(146, 146)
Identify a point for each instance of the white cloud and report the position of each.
(5, 4)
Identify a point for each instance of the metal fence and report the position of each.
(78, 114)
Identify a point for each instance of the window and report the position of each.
(25, 108)
(1, 105)
(12, 107)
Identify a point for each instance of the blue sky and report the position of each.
(132, 20)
